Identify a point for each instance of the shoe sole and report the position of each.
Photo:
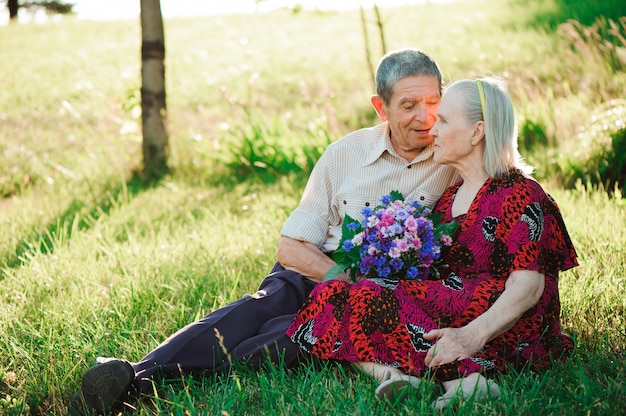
(77, 405)
(107, 384)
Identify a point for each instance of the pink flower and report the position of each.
(446, 240)
(372, 221)
(410, 224)
(357, 240)
(401, 244)
(387, 219)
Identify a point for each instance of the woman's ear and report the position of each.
(479, 133)
(377, 102)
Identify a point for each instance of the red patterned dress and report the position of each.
(512, 224)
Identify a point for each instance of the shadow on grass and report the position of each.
(77, 217)
(81, 215)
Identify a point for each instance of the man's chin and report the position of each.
(424, 141)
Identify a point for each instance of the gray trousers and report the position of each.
(252, 328)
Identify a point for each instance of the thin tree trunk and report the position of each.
(381, 29)
(366, 41)
(13, 7)
(153, 108)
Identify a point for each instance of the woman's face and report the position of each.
(452, 131)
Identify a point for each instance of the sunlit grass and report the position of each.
(94, 263)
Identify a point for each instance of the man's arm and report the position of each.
(304, 258)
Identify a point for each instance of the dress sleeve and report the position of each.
(531, 234)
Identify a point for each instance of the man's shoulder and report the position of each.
(363, 136)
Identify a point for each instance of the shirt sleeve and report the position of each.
(317, 211)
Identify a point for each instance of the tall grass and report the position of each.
(94, 263)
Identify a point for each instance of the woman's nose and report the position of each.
(433, 130)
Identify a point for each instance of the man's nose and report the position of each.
(420, 113)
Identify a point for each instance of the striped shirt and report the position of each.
(354, 172)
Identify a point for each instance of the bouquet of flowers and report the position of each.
(397, 240)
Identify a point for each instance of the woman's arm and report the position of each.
(522, 291)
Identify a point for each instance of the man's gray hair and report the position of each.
(399, 64)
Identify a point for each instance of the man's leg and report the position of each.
(248, 328)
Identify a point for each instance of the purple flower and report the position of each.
(354, 226)
(384, 271)
(396, 239)
(396, 264)
(412, 272)
(402, 214)
(385, 199)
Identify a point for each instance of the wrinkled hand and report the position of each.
(451, 344)
(344, 277)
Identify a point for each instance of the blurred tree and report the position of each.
(51, 5)
(153, 109)
(381, 32)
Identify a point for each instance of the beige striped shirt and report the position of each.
(354, 172)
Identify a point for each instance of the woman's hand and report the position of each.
(523, 289)
(451, 344)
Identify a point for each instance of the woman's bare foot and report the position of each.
(474, 386)
(379, 371)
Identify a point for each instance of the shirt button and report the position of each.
(409, 167)
(344, 202)
(421, 198)
(367, 204)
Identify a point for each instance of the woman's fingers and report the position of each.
(433, 334)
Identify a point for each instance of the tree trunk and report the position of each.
(154, 114)
(13, 8)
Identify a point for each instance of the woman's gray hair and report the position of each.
(501, 153)
(402, 63)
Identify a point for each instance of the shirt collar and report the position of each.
(382, 143)
(379, 145)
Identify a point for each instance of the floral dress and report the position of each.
(512, 224)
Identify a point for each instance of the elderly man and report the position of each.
(352, 173)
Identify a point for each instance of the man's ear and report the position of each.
(479, 133)
(377, 102)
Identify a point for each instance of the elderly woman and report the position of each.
(498, 302)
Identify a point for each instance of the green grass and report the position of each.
(92, 262)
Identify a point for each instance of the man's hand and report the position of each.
(304, 258)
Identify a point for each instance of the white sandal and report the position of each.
(396, 386)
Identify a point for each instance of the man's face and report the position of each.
(411, 113)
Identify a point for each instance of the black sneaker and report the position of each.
(107, 386)
(77, 406)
